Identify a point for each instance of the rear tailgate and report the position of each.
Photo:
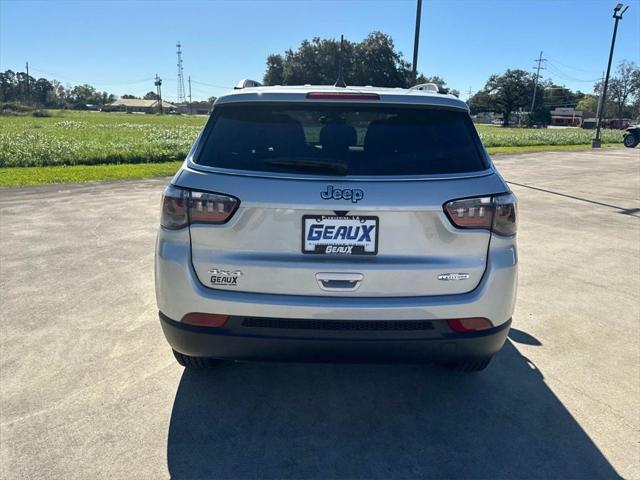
(262, 246)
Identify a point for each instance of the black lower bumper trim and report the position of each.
(235, 344)
(338, 325)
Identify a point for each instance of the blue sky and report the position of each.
(119, 46)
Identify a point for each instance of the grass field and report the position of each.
(21, 176)
(59, 148)
(90, 138)
(523, 137)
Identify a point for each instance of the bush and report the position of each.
(41, 113)
(14, 108)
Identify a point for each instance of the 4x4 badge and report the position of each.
(227, 278)
(332, 193)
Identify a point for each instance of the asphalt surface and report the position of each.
(89, 388)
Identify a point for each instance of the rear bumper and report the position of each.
(178, 292)
(240, 340)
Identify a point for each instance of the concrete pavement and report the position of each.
(89, 388)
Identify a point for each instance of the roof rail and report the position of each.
(246, 83)
(426, 87)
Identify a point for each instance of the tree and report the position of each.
(588, 103)
(127, 96)
(373, 61)
(59, 94)
(623, 87)
(18, 87)
(440, 82)
(539, 116)
(559, 96)
(150, 96)
(480, 102)
(314, 62)
(82, 95)
(635, 109)
(7, 86)
(24, 85)
(504, 94)
(275, 70)
(40, 91)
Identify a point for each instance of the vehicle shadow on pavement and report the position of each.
(266, 420)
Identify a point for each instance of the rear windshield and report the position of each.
(341, 140)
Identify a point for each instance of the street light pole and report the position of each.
(617, 14)
(416, 41)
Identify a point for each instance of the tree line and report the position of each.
(18, 87)
(372, 61)
(23, 89)
(375, 61)
(513, 90)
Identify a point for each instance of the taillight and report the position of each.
(470, 212)
(505, 220)
(465, 325)
(211, 207)
(496, 213)
(342, 96)
(181, 207)
(174, 207)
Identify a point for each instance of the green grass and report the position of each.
(71, 146)
(22, 176)
(91, 138)
(545, 148)
(524, 137)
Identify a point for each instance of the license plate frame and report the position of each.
(349, 221)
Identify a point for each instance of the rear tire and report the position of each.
(630, 141)
(196, 363)
(469, 365)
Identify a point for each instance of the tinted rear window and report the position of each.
(361, 140)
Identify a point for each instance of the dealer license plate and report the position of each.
(340, 235)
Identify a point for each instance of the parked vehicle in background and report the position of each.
(330, 224)
(632, 136)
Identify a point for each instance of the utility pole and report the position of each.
(158, 84)
(617, 14)
(28, 85)
(189, 94)
(469, 93)
(416, 41)
(535, 80)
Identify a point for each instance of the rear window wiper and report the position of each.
(339, 168)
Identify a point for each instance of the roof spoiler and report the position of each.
(426, 87)
(246, 83)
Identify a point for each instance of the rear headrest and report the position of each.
(336, 138)
(383, 136)
(283, 134)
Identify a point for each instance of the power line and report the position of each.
(67, 79)
(165, 78)
(226, 87)
(569, 67)
(557, 71)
